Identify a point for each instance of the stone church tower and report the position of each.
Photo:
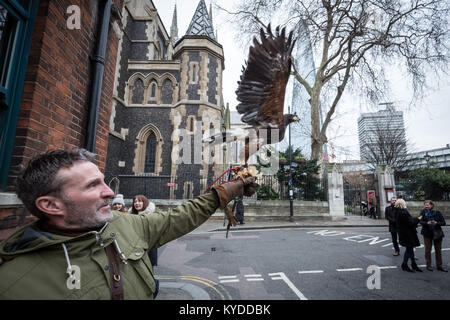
(167, 94)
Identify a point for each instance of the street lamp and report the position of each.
(291, 191)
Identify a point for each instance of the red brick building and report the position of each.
(55, 84)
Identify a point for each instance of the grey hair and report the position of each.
(39, 177)
(430, 202)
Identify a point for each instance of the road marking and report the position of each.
(388, 267)
(311, 271)
(203, 281)
(231, 280)
(227, 277)
(327, 233)
(254, 277)
(282, 276)
(444, 249)
(350, 269)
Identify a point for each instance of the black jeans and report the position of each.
(409, 254)
(395, 242)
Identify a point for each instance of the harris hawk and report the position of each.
(261, 92)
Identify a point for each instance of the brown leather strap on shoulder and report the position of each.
(114, 273)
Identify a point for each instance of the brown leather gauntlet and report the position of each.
(237, 188)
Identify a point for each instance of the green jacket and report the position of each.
(35, 263)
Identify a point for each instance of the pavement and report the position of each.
(299, 222)
(172, 290)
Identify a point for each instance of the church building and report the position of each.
(167, 95)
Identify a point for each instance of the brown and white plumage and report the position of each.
(261, 91)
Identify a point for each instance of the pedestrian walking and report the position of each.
(141, 206)
(78, 248)
(390, 215)
(407, 234)
(432, 222)
(240, 210)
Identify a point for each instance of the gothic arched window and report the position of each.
(150, 153)
(153, 90)
(138, 92)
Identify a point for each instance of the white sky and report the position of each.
(427, 125)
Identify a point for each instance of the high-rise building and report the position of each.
(381, 133)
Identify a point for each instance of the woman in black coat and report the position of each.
(407, 234)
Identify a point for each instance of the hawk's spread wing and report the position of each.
(263, 81)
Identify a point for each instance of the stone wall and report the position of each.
(415, 207)
(264, 210)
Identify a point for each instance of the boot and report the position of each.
(406, 268)
(415, 267)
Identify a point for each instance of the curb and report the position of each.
(297, 226)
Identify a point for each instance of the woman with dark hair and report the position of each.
(432, 221)
(407, 234)
(141, 205)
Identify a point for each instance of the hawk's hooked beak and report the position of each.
(296, 119)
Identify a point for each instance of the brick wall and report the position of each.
(54, 110)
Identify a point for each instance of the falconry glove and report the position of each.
(229, 191)
(237, 188)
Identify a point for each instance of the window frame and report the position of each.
(11, 93)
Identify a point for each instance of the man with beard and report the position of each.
(78, 248)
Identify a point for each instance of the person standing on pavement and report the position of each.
(389, 214)
(406, 226)
(141, 206)
(78, 248)
(240, 210)
(432, 221)
(373, 207)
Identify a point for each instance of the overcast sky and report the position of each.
(427, 125)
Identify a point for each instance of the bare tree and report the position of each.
(385, 144)
(355, 42)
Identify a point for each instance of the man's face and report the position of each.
(393, 199)
(85, 196)
(427, 206)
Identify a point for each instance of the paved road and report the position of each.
(296, 264)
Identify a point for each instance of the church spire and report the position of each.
(201, 22)
(174, 27)
(210, 13)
